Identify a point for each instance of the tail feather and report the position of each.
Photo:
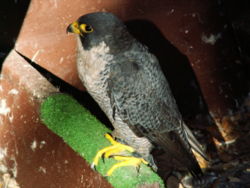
(195, 171)
(173, 145)
(194, 142)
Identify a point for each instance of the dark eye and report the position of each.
(88, 28)
(85, 28)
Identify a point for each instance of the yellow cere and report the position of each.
(75, 28)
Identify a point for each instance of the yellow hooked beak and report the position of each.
(74, 28)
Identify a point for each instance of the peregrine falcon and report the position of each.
(127, 82)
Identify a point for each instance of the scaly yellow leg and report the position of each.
(115, 148)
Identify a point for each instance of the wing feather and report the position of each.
(143, 100)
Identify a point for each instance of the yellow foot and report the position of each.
(126, 161)
(112, 150)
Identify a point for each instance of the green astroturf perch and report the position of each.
(85, 135)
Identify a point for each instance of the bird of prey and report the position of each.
(127, 82)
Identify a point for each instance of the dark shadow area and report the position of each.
(12, 13)
(238, 15)
(82, 97)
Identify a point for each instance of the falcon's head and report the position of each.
(98, 27)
